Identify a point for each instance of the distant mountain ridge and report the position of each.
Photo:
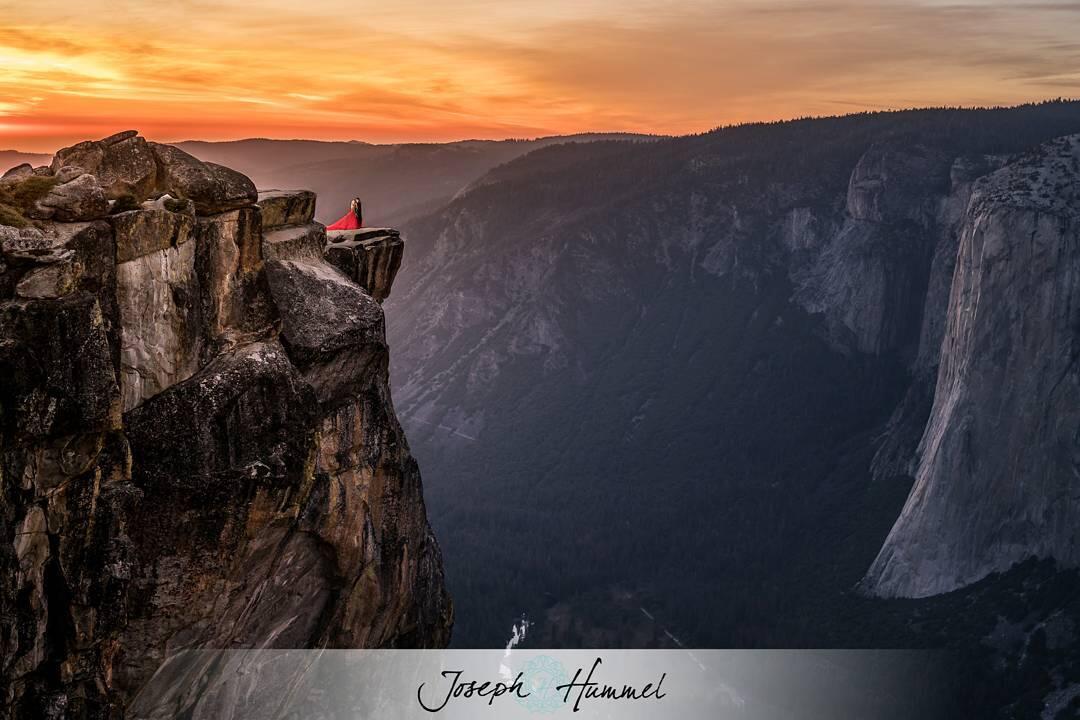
(396, 182)
(11, 158)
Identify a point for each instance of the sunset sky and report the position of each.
(453, 69)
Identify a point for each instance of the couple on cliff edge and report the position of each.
(352, 220)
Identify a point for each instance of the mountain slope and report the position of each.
(668, 372)
(396, 182)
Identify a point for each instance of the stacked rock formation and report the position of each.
(198, 443)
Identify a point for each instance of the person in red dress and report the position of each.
(352, 220)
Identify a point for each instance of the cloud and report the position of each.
(419, 70)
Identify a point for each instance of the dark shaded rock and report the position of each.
(333, 330)
(371, 257)
(175, 438)
(68, 588)
(213, 188)
(57, 367)
(123, 164)
(54, 260)
(218, 453)
(281, 208)
(897, 183)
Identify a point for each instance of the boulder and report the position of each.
(123, 163)
(153, 228)
(371, 257)
(19, 171)
(54, 259)
(27, 251)
(213, 188)
(282, 208)
(77, 200)
(216, 504)
(334, 332)
(301, 242)
(69, 173)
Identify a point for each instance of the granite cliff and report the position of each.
(199, 448)
(997, 467)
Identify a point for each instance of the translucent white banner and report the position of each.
(579, 684)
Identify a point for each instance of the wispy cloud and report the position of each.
(421, 70)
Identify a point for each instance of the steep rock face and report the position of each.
(198, 446)
(868, 280)
(371, 257)
(156, 288)
(997, 466)
(895, 456)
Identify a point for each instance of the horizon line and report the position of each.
(656, 135)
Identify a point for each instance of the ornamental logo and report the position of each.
(541, 676)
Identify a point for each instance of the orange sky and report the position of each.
(445, 69)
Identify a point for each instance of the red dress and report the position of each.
(348, 222)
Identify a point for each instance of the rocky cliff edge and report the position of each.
(199, 447)
(997, 466)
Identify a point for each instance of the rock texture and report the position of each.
(123, 163)
(198, 445)
(284, 208)
(371, 257)
(868, 279)
(996, 478)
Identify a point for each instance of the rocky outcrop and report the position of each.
(127, 165)
(868, 278)
(283, 209)
(156, 292)
(213, 188)
(371, 257)
(123, 163)
(19, 171)
(997, 466)
(199, 448)
(76, 200)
